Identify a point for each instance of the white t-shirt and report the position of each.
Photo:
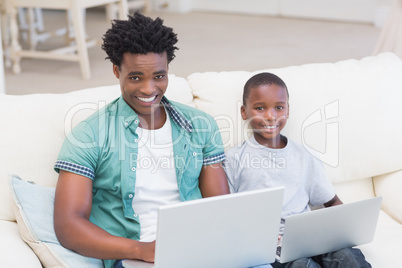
(156, 182)
(252, 166)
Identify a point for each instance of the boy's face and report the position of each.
(267, 109)
(143, 81)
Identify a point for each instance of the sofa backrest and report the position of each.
(33, 127)
(345, 113)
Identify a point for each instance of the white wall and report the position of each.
(257, 7)
(364, 11)
(343, 10)
(180, 6)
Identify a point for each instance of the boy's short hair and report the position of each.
(262, 79)
(138, 35)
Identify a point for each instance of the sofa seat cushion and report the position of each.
(14, 251)
(387, 241)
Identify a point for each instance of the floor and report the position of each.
(208, 42)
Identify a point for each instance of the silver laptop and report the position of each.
(329, 229)
(235, 230)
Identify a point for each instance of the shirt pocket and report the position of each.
(192, 168)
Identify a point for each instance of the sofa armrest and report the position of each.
(388, 186)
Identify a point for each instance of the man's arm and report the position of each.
(333, 202)
(213, 180)
(73, 203)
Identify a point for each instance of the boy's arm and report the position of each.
(333, 202)
(213, 180)
(73, 203)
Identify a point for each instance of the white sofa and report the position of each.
(348, 112)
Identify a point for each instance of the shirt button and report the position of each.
(136, 121)
(136, 140)
(135, 215)
(194, 154)
(126, 123)
(133, 168)
(130, 196)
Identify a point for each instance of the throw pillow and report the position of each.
(33, 209)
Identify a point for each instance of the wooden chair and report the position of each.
(2, 82)
(30, 25)
(132, 5)
(138, 4)
(78, 51)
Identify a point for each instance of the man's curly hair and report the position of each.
(138, 35)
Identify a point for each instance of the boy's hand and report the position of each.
(333, 202)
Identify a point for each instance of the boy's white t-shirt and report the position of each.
(252, 166)
(156, 182)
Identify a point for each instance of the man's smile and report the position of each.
(147, 99)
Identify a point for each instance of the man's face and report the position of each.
(143, 81)
(267, 109)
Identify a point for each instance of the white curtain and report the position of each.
(391, 34)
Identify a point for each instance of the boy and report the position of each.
(107, 195)
(269, 159)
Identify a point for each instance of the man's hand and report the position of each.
(147, 251)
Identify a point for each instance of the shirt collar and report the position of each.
(176, 116)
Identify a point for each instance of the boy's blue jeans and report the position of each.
(118, 264)
(347, 257)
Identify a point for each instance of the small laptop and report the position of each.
(329, 229)
(227, 231)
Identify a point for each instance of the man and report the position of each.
(107, 194)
